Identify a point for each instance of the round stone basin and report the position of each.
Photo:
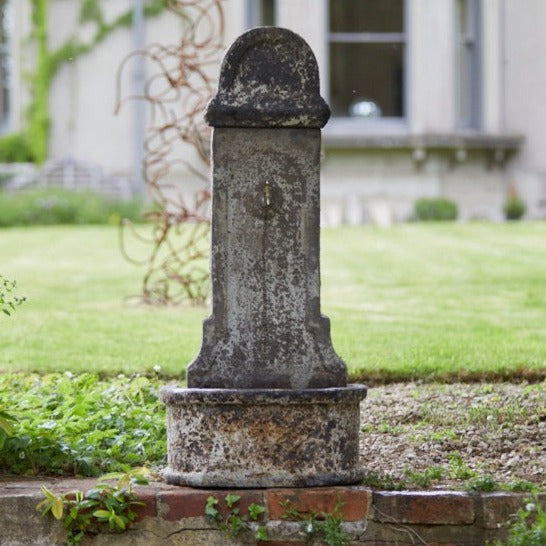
(263, 437)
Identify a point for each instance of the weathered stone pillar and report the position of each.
(267, 402)
(266, 329)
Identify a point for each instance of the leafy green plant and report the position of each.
(528, 527)
(14, 148)
(6, 426)
(436, 209)
(521, 485)
(233, 523)
(458, 469)
(41, 206)
(483, 483)
(425, 478)
(106, 507)
(514, 208)
(8, 302)
(383, 481)
(79, 424)
(443, 435)
(48, 62)
(325, 527)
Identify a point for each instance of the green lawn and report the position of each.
(413, 301)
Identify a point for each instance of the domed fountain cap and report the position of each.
(269, 78)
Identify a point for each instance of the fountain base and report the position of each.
(263, 438)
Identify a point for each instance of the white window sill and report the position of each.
(343, 133)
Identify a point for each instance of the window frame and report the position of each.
(469, 43)
(389, 124)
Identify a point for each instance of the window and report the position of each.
(260, 13)
(468, 63)
(4, 65)
(366, 58)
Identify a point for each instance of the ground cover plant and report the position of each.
(107, 507)
(417, 301)
(79, 424)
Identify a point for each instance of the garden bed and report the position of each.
(413, 435)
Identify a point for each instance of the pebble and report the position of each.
(494, 428)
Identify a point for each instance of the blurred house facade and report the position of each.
(429, 98)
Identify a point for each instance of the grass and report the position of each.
(416, 301)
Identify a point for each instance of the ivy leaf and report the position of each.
(232, 500)
(261, 533)
(255, 511)
(210, 508)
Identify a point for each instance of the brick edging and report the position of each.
(370, 517)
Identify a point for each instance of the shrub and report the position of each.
(14, 148)
(514, 208)
(58, 206)
(438, 209)
(79, 424)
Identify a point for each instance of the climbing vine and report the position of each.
(38, 127)
(48, 62)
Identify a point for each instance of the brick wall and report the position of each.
(175, 515)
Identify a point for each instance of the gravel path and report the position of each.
(454, 436)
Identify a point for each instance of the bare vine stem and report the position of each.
(177, 138)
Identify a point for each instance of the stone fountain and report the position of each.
(267, 402)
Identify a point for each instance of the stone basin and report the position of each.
(263, 437)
